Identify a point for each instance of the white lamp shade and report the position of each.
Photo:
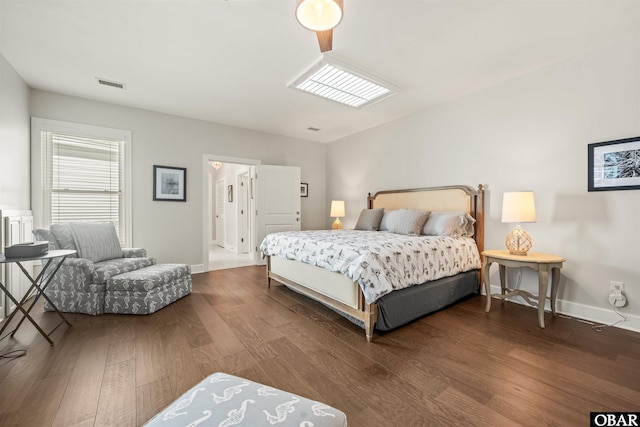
(337, 208)
(518, 207)
(319, 15)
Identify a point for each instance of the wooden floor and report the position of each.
(459, 366)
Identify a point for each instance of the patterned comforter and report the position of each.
(380, 262)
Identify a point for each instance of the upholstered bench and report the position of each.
(147, 289)
(224, 400)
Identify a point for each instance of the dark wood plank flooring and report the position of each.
(459, 366)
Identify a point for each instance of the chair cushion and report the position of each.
(64, 236)
(148, 278)
(42, 234)
(96, 241)
(105, 270)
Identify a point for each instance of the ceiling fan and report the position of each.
(321, 16)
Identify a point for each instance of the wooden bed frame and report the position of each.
(341, 293)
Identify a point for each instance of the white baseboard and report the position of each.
(597, 315)
(197, 268)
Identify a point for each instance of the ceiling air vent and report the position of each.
(111, 83)
(311, 128)
(341, 82)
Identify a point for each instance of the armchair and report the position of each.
(79, 286)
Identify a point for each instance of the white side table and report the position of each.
(542, 263)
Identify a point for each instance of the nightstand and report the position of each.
(542, 263)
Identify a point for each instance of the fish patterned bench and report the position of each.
(225, 400)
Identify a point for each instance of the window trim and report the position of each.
(39, 125)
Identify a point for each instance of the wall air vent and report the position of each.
(111, 83)
(311, 128)
(343, 83)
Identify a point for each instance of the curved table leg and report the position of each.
(487, 285)
(543, 284)
(555, 281)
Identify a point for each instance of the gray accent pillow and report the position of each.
(64, 236)
(369, 219)
(407, 221)
(44, 235)
(96, 241)
(449, 223)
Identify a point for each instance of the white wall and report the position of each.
(528, 133)
(172, 231)
(15, 169)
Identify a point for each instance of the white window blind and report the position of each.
(83, 179)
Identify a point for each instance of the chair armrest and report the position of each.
(75, 273)
(134, 253)
(79, 263)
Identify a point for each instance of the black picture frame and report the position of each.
(169, 184)
(304, 189)
(614, 165)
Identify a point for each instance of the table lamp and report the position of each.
(337, 211)
(518, 207)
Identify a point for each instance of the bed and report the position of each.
(382, 286)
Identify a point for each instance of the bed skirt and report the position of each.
(402, 306)
(406, 305)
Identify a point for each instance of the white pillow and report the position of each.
(449, 223)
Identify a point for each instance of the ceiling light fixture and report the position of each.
(321, 16)
(340, 82)
(216, 165)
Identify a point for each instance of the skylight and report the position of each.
(339, 82)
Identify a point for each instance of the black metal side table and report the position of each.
(39, 284)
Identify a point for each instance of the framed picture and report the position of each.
(304, 189)
(169, 183)
(614, 165)
(230, 193)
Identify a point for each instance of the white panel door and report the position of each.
(220, 213)
(243, 215)
(278, 202)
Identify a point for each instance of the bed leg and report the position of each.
(369, 332)
(268, 270)
(371, 315)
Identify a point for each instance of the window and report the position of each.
(83, 175)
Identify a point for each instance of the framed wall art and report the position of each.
(304, 189)
(169, 184)
(614, 165)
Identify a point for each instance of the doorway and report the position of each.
(228, 204)
(268, 196)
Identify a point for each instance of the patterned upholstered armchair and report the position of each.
(79, 285)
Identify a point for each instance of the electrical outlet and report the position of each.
(614, 285)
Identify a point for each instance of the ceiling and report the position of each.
(229, 61)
